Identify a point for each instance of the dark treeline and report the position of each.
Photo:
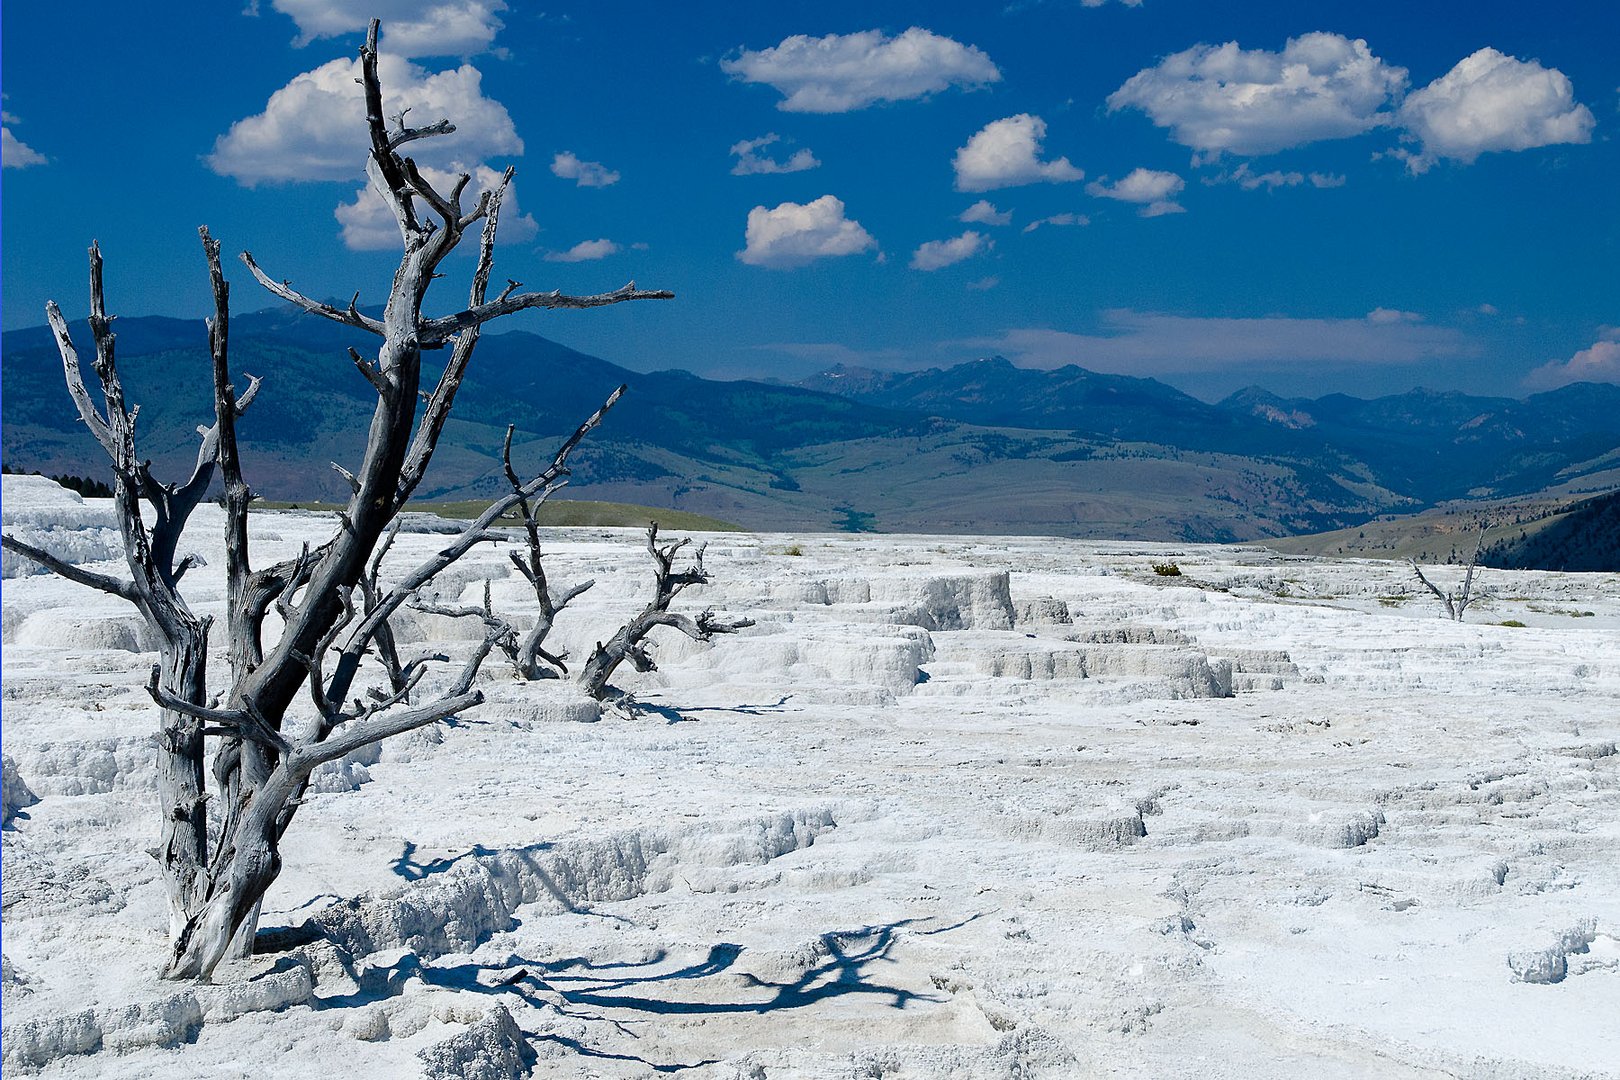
(87, 486)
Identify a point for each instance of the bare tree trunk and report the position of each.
(260, 771)
(629, 643)
(1455, 603)
(183, 844)
(531, 660)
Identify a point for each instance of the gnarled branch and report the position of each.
(439, 330)
(75, 574)
(630, 643)
(283, 289)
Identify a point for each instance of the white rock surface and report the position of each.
(39, 511)
(911, 824)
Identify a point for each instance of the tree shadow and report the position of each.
(842, 970)
(408, 868)
(839, 964)
(684, 715)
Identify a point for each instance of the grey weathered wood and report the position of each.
(1455, 603)
(630, 641)
(261, 767)
(529, 657)
(155, 573)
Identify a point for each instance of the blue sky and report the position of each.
(1356, 197)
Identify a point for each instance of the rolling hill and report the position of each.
(982, 447)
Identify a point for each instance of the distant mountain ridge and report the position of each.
(1429, 445)
(981, 447)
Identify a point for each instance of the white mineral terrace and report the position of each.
(955, 807)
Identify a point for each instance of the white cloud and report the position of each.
(313, 128)
(1219, 98)
(585, 251)
(1006, 153)
(1600, 363)
(984, 212)
(1151, 189)
(843, 72)
(1249, 180)
(409, 27)
(1488, 309)
(1490, 101)
(750, 162)
(984, 284)
(1383, 316)
(16, 154)
(583, 173)
(794, 235)
(1059, 220)
(369, 225)
(1136, 343)
(938, 254)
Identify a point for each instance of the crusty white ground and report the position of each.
(910, 825)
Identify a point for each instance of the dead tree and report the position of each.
(262, 763)
(1456, 603)
(530, 660)
(630, 643)
(386, 647)
(527, 655)
(155, 574)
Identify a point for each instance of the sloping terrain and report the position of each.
(1549, 531)
(1425, 445)
(1585, 537)
(982, 447)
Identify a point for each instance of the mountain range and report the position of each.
(982, 447)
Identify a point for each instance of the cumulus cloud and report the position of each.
(409, 27)
(795, 235)
(1059, 220)
(369, 225)
(1139, 343)
(984, 212)
(1006, 153)
(750, 162)
(16, 154)
(1246, 178)
(582, 173)
(938, 254)
(585, 251)
(1151, 189)
(1223, 98)
(984, 284)
(1600, 363)
(310, 129)
(1491, 101)
(843, 72)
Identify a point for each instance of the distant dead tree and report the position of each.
(385, 646)
(529, 658)
(630, 642)
(216, 872)
(527, 654)
(1456, 602)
